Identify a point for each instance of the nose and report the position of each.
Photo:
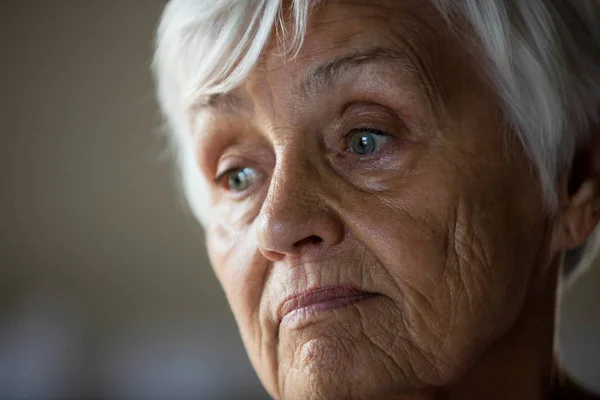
(295, 217)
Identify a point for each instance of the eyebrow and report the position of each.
(324, 77)
(229, 102)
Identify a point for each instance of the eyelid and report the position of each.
(227, 163)
(374, 131)
(244, 154)
(358, 109)
(373, 117)
(223, 174)
(218, 180)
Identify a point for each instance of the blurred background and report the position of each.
(105, 289)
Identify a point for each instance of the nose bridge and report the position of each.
(295, 209)
(293, 191)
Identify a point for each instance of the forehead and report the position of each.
(348, 33)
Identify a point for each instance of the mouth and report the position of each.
(316, 301)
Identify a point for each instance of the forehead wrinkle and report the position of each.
(425, 75)
(426, 47)
(324, 77)
(402, 50)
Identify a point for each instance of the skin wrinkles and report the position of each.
(445, 223)
(323, 76)
(413, 33)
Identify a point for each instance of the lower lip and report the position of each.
(314, 304)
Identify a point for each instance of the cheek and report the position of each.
(239, 267)
(457, 252)
(242, 270)
(406, 231)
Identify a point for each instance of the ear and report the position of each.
(580, 197)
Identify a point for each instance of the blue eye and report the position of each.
(365, 141)
(240, 179)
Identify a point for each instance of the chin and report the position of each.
(333, 368)
(342, 355)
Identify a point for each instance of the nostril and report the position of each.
(313, 239)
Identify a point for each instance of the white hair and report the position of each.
(542, 58)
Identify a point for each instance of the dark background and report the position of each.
(105, 290)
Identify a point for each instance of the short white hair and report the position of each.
(542, 58)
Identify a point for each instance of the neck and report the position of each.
(520, 364)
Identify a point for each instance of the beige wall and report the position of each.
(104, 278)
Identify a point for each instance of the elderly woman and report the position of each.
(388, 187)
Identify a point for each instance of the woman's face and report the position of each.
(373, 224)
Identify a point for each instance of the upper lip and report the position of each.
(318, 295)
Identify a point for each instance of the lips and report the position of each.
(322, 299)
